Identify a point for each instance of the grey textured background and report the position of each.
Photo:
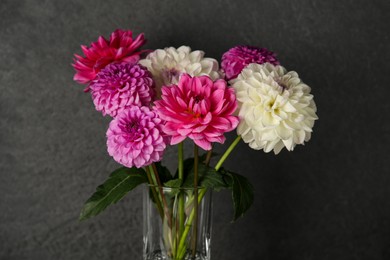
(329, 199)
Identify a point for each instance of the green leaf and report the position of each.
(175, 183)
(207, 177)
(242, 193)
(120, 182)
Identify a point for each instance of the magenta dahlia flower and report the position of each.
(197, 108)
(121, 85)
(120, 47)
(135, 137)
(237, 58)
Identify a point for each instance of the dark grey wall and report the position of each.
(329, 199)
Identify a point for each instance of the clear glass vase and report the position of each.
(175, 226)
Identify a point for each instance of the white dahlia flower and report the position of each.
(276, 108)
(168, 64)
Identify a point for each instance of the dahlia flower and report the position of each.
(134, 137)
(237, 58)
(168, 64)
(120, 47)
(121, 85)
(276, 108)
(199, 109)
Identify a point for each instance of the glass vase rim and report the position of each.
(170, 188)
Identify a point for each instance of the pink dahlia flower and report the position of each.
(120, 47)
(237, 58)
(135, 138)
(197, 108)
(121, 85)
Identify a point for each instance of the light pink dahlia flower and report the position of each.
(135, 137)
(120, 47)
(197, 108)
(121, 85)
(237, 58)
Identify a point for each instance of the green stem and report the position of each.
(208, 157)
(156, 179)
(181, 247)
(181, 198)
(188, 226)
(181, 160)
(227, 153)
(154, 193)
(195, 227)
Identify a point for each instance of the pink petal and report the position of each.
(204, 144)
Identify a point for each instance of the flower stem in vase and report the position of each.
(154, 193)
(181, 248)
(156, 179)
(181, 214)
(195, 226)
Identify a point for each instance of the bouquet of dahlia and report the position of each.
(163, 97)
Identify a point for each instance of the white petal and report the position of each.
(185, 49)
(283, 133)
(269, 120)
(289, 144)
(278, 147)
(289, 108)
(196, 56)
